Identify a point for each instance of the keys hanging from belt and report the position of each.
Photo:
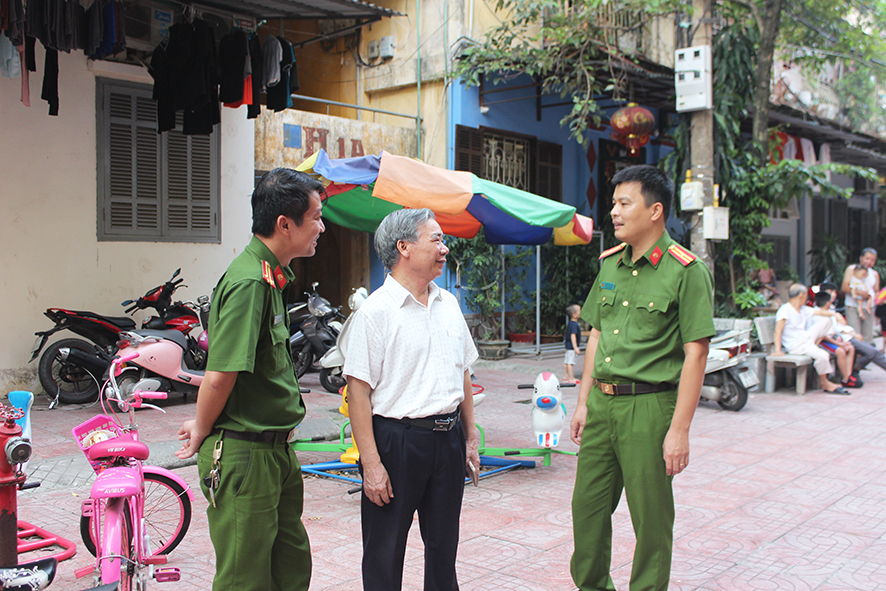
(212, 481)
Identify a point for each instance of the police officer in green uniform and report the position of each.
(650, 310)
(249, 401)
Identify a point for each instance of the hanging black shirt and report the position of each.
(279, 97)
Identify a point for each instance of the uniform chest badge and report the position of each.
(607, 285)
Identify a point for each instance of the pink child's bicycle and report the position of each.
(135, 514)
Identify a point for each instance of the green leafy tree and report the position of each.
(570, 48)
(816, 32)
(567, 273)
(484, 273)
(750, 188)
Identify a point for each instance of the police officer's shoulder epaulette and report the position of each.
(612, 250)
(681, 254)
(267, 274)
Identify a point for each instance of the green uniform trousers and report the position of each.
(256, 529)
(621, 448)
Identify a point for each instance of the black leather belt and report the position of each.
(432, 423)
(263, 437)
(634, 389)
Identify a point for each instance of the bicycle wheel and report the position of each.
(117, 545)
(167, 512)
(167, 515)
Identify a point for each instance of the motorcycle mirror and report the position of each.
(314, 286)
(127, 302)
(177, 271)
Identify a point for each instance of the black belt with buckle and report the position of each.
(432, 423)
(263, 437)
(634, 389)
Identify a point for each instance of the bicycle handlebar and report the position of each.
(150, 394)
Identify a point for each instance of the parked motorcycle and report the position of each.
(333, 361)
(727, 373)
(317, 332)
(181, 316)
(61, 376)
(70, 369)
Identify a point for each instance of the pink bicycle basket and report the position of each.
(98, 428)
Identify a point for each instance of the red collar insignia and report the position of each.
(280, 277)
(655, 256)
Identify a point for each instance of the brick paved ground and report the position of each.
(788, 494)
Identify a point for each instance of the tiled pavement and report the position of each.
(787, 494)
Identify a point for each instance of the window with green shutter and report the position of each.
(152, 187)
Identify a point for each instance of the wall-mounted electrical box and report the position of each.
(372, 49)
(691, 194)
(386, 47)
(693, 80)
(716, 223)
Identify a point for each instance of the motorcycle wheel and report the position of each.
(302, 362)
(333, 382)
(72, 383)
(733, 395)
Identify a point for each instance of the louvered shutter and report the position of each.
(190, 184)
(469, 150)
(549, 170)
(153, 187)
(131, 163)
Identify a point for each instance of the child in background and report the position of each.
(856, 287)
(572, 340)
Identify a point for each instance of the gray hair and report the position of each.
(869, 250)
(796, 289)
(398, 225)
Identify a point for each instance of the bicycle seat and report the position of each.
(118, 448)
(32, 575)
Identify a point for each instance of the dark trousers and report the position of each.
(866, 353)
(427, 472)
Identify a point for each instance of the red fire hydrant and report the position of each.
(16, 450)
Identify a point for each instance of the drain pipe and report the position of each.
(418, 75)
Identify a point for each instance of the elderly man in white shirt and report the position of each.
(410, 404)
(794, 332)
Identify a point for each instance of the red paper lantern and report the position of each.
(631, 126)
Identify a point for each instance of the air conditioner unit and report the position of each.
(147, 24)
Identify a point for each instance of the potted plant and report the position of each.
(567, 272)
(484, 272)
(522, 325)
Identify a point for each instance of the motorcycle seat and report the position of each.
(121, 322)
(172, 335)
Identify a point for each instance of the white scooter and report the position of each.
(728, 377)
(332, 362)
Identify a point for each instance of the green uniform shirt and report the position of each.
(249, 334)
(646, 311)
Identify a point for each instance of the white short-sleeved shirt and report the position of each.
(794, 326)
(870, 281)
(412, 356)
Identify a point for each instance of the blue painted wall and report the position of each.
(514, 110)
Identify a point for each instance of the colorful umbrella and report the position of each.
(361, 191)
